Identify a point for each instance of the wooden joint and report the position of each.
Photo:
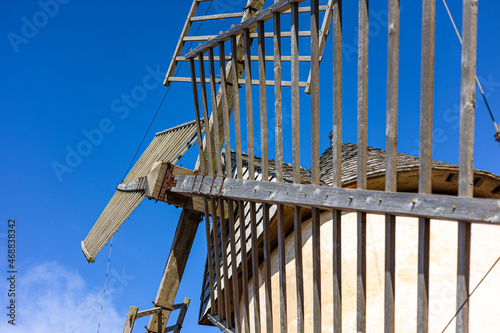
(168, 181)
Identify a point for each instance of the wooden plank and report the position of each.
(391, 162)
(337, 270)
(294, 48)
(214, 117)
(219, 323)
(315, 171)
(227, 289)
(225, 109)
(278, 103)
(361, 274)
(302, 84)
(197, 114)
(466, 156)
(261, 16)
(244, 267)
(234, 268)
(323, 34)
(130, 321)
(180, 43)
(269, 58)
(425, 156)
(336, 140)
(215, 233)
(216, 17)
(299, 271)
(236, 98)
(267, 267)
(443, 207)
(208, 133)
(176, 263)
(248, 99)
(282, 268)
(182, 315)
(209, 256)
(255, 268)
(283, 33)
(263, 101)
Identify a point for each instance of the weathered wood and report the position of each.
(208, 133)
(182, 315)
(315, 171)
(425, 156)
(336, 139)
(263, 101)
(391, 162)
(466, 156)
(209, 255)
(244, 268)
(294, 47)
(216, 17)
(219, 323)
(225, 110)
(180, 43)
(215, 235)
(177, 259)
(130, 321)
(225, 266)
(361, 274)
(269, 58)
(248, 99)
(214, 117)
(197, 114)
(337, 270)
(261, 16)
(236, 98)
(267, 267)
(443, 207)
(282, 269)
(234, 269)
(278, 103)
(302, 84)
(255, 268)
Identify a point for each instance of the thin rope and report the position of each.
(166, 93)
(105, 281)
(477, 80)
(468, 297)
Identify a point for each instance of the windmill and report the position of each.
(256, 211)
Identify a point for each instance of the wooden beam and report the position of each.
(302, 84)
(255, 268)
(225, 111)
(282, 269)
(130, 321)
(197, 114)
(218, 274)
(176, 263)
(263, 101)
(234, 269)
(442, 207)
(244, 268)
(236, 98)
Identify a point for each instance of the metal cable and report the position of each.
(105, 281)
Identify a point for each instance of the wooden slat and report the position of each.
(261, 16)
(282, 269)
(208, 134)
(466, 158)
(297, 214)
(216, 17)
(269, 58)
(267, 267)
(442, 207)
(215, 233)
(180, 44)
(244, 267)
(227, 289)
(248, 100)
(337, 270)
(362, 155)
(425, 157)
(215, 118)
(316, 244)
(210, 248)
(263, 101)
(225, 110)
(255, 268)
(302, 84)
(278, 104)
(234, 268)
(391, 162)
(236, 99)
(197, 114)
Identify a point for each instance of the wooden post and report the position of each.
(227, 289)
(213, 93)
(336, 142)
(177, 259)
(425, 157)
(391, 162)
(225, 115)
(466, 158)
(236, 97)
(297, 212)
(244, 266)
(197, 114)
(234, 268)
(130, 321)
(362, 154)
(215, 233)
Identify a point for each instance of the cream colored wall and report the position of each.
(485, 248)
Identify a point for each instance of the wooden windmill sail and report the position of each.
(254, 209)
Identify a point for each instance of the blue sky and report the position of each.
(66, 68)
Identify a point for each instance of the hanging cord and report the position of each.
(166, 93)
(497, 128)
(460, 308)
(105, 281)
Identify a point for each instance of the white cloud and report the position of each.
(53, 298)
